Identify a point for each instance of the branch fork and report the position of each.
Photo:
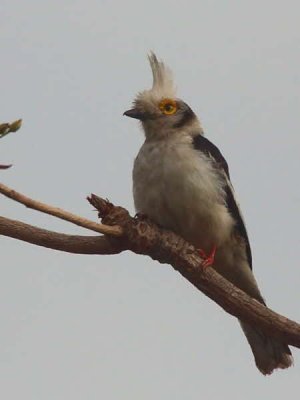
(121, 232)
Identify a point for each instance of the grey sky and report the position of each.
(125, 327)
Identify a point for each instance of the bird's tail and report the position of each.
(269, 353)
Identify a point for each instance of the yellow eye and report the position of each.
(168, 106)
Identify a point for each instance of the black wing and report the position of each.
(204, 145)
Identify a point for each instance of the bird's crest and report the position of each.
(163, 85)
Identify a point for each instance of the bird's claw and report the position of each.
(208, 259)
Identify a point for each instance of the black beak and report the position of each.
(134, 113)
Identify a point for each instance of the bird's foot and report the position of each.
(208, 259)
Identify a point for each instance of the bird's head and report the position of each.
(161, 113)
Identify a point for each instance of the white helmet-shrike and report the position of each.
(181, 181)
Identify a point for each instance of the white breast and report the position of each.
(179, 189)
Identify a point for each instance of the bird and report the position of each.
(181, 182)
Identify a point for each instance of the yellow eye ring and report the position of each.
(168, 106)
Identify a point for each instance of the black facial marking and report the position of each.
(187, 116)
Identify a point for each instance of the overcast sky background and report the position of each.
(125, 327)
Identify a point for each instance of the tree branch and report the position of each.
(59, 213)
(162, 245)
(143, 237)
(59, 241)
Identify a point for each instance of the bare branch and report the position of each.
(166, 247)
(59, 213)
(60, 241)
(143, 237)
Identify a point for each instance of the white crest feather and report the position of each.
(163, 84)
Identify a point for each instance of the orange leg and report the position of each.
(208, 259)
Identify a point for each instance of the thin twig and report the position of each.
(5, 166)
(60, 213)
(7, 128)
